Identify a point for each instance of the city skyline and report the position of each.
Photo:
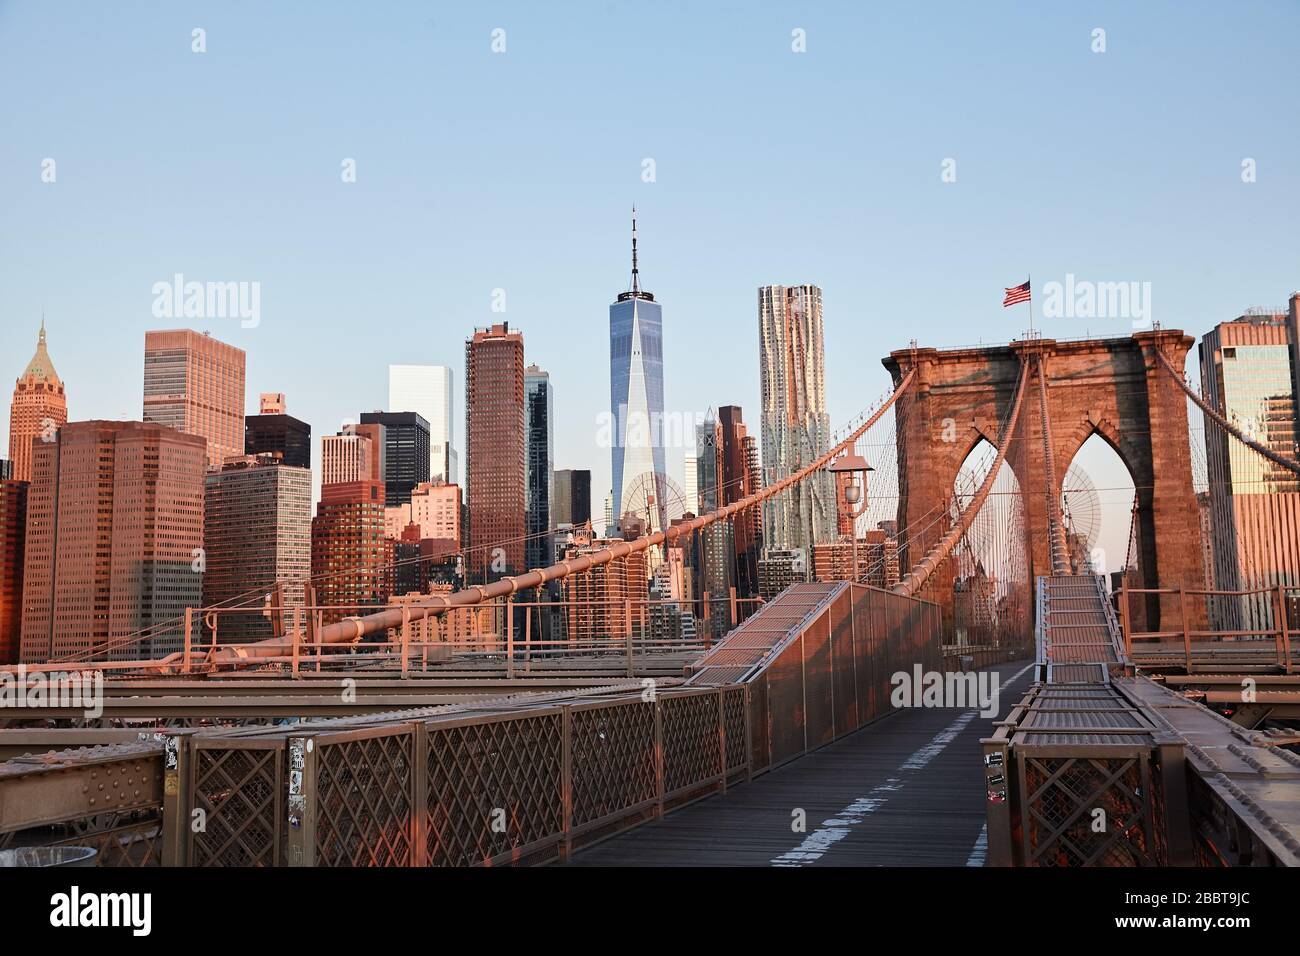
(789, 434)
(724, 217)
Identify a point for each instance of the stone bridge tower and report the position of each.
(1113, 387)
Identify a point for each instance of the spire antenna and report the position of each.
(635, 280)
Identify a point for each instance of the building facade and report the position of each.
(256, 534)
(406, 452)
(571, 499)
(1249, 372)
(539, 449)
(795, 424)
(597, 603)
(435, 510)
(114, 541)
(195, 384)
(13, 535)
(351, 557)
(39, 409)
(738, 479)
(426, 390)
(495, 460)
(351, 455)
(273, 432)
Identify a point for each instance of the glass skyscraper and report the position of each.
(796, 427)
(636, 402)
(427, 389)
(539, 465)
(1249, 372)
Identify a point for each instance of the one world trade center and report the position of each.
(636, 401)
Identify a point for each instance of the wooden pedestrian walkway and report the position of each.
(907, 790)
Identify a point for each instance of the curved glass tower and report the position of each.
(636, 401)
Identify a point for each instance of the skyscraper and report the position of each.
(715, 550)
(406, 452)
(691, 482)
(737, 480)
(795, 425)
(636, 397)
(114, 531)
(273, 432)
(495, 477)
(195, 384)
(571, 498)
(539, 446)
(350, 456)
(426, 389)
(13, 534)
(256, 532)
(351, 557)
(434, 508)
(39, 408)
(1249, 372)
(597, 601)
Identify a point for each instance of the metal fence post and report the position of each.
(176, 808)
(1177, 822)
(419, 793)
(406, 639)
(1187, 641)
(722, 734)
(566, 782)
(749, 737)
(510, 637)
(627, 613)
(659, 757)
(997, 807)
(705, 611)
(1282, 639)
(297, 638)
(301, 805)
(528, 637)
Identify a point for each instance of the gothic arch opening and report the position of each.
(991, 586)
(1098, 510)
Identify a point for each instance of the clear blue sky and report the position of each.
(479, 170)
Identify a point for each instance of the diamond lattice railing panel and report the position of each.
(613, 760)
(690, 729)
(1064, 794)
(239, 793)
(494, 787)
(363, 815)
(130, 839)
(737, 727)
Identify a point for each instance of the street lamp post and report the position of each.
(855, 495)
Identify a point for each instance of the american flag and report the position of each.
(1017, 293)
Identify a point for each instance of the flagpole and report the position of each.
(1030, 300)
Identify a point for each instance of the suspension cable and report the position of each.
(1223, 423)
(355, 628)
(1056, 532)
(927, 565)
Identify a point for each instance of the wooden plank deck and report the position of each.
(907, 790)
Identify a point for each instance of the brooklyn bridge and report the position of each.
(1143, 720)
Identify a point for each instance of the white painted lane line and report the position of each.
(981, 848)
(814, 846)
